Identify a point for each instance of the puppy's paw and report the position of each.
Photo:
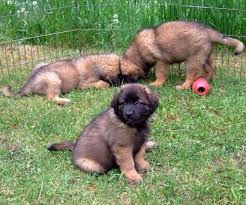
(67, 101)
(64, 101)
(150, 145)
(182, 87)
(133, 177)
(134, 181)
(143, 166)
(156, 84)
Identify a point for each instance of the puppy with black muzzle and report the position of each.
(118, 136)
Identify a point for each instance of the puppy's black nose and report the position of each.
(128, 112)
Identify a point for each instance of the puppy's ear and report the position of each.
(154, 102)
(153, 99)
(115, 103)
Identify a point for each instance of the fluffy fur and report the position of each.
(174, 42)
(118, 136)
(98, 71)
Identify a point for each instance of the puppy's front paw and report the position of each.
(142, 166)
(134, 181)
(133, 178)
(149, 145)
(64, 101)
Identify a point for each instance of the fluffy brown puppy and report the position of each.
(174, 42)
(117, 137)
(97, 71)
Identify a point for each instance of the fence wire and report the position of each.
(47, 30)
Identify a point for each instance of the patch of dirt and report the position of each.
(171, 117)
(90, 187)
(240, 159)
(124, 197)
(19, 54)
(216, 161)
(72, 181)
(7, 145)
(26, 56)
(13, 55)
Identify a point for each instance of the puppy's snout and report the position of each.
(129, 112)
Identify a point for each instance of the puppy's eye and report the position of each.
(122, 102)
(138, 102)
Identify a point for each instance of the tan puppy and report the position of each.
(174, 42)
(118, 136)
(98, 71)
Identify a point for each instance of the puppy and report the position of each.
(174, 42)
(98, 71)
(118, 136)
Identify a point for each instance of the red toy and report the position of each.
(201, 86)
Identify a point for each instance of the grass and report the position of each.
(42, 31)
(200, 158)
(19, 60)
(201, 153)
(117, 21)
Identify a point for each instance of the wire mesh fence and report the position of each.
(47, 30)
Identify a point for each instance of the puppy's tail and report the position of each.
(7, 92)
(217, 37)
(26, 89)
(61, 146)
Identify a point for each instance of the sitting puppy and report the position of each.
(118, 136)
(174, 42)
(97, 71)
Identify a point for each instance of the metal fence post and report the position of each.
(161, 12)
(77, 25)
(77, 11)
(180, 9)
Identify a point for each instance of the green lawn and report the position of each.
(109, 24)
(200, 158)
